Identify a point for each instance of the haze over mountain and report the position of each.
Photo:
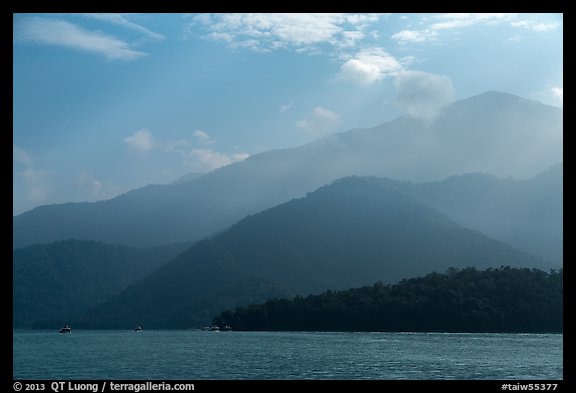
(347, 234)
(188, 177)
(494, 132)
(64, 279)
(527, 214)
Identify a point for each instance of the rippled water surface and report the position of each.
(284, 355)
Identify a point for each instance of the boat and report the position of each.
(215, 328)
(138, 328)
(66, 329)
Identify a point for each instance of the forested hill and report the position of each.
(347, 234)
(60, 280)
(494, 300)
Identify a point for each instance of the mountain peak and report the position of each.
(496, 94)
(494, 132)
(345, 234)
(499, 100)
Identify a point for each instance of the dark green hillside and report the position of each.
(468, 300)
(61, 280)
(342, 235)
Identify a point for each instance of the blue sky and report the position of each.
(105, 103)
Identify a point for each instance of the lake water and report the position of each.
(281, 355)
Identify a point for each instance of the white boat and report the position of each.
(216, 328)
(66, 329)
(138, 328)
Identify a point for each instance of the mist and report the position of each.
(495, 133)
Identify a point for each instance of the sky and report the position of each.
(106, 103)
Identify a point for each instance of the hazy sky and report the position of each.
(104, 103)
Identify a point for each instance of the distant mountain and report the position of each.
(527, 214)
(467, 300)
(188, 177)
(57, 281)
(494, 132)
(347, 234)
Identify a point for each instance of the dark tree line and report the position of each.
(462, 300)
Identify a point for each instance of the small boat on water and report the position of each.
(138, 328)
(66, 329)
(216, 328)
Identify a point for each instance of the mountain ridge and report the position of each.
(342, 235)
(458, 141)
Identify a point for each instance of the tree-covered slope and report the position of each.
(467, 300)
(62, 280)
(346, 234)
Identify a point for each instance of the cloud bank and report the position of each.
(193, 151)
(120, 20)
(320, 122)
(437, 24)
(368, 67)
(141, 141)
(65, 34)
(265, 32)
(422, 94)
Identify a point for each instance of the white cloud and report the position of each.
(369, 66)
(423, 93)
(195, 156)
(205, 160)
(240, 156)
(558, 92)
(61, 33)
(90, 184)
(457, 20)
(407, 36)
(436, 24)
(408, 60)
(21, 156)
(120, 20)
(177, 145)
(38, 187)
(512, 40)
(320, 122)
(447, 22)
(36, 181)
(350, 39)
(201, 159)
(203, 137)
(535, 26)
(363, 21)
(302, 32)
(285, 107)
(141, 140)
